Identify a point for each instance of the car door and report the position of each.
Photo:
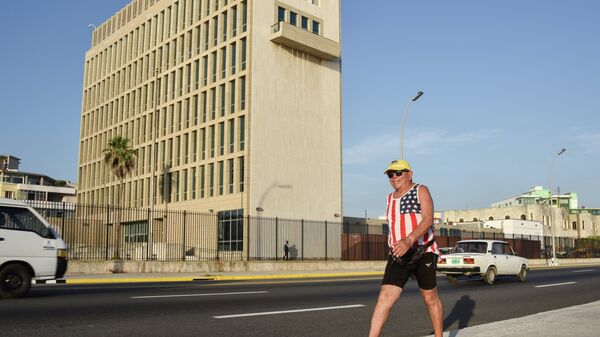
(513, 264)
(499, 259)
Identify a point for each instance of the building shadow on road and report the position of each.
(461, 312)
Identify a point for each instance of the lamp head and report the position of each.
(419, 94)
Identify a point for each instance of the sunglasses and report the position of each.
(391, 174)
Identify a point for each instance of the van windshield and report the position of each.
(20, 218)
(470, 247)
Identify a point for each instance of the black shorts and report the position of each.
(424, 270)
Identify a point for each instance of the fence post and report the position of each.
(184, 214)
(302, 223)
(107, 226)
(248, 241)
(276, 238)
(62, 222)
(325, 240)
(148, 236)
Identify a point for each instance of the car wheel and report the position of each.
(452, 279)
(15, 281)
(522, 275)
(490, 275)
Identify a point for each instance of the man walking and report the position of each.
(410, 219)
(286, 251)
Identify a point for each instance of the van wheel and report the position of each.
(15, 281)
(522, 275)
(490, 275)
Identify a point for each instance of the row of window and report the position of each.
(159, 29)
(207, 143)
(565, 225)
(191, 76)
(299, 20)
(227, 98)
(204, 181)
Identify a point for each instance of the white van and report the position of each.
(29, 249)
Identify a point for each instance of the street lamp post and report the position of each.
(553, 261)
(414, 99)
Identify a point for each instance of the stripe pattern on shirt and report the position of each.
(404, 215)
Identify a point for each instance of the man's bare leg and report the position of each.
(434, 307)
(388, 295)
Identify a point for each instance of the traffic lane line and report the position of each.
(583, 271)
(289, 311)
(554, 284)
(202, 294)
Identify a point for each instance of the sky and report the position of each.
(506, 84)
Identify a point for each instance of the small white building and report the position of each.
(516, 227)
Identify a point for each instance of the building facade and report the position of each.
(558, 215)
(16, 184)
(231, 106)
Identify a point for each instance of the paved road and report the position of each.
(326, 307)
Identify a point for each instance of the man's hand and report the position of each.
(402, 246)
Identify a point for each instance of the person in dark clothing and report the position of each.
(286, 251)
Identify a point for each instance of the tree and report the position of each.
(119, 156)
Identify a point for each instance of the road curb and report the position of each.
(211, 277)
(108, 280)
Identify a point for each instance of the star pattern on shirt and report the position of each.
(409, 203)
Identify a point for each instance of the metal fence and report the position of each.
(113, 233)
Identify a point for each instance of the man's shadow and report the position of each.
(462, 312)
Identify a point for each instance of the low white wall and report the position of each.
(140, 267)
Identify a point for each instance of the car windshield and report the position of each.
(470, 247)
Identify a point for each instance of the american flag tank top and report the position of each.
(403, 216)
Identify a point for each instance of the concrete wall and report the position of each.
(295, 120)
(136, 267)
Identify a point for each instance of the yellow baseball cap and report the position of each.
(398, 165)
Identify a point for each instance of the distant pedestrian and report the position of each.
(410, 218)
(286, 251)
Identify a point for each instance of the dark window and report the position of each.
(304, 22)
(22, 219)
(523, 217)
(315, 27)
(280, 14)
(497, 248)
(293, 18)
(470, 247)
(136, 231)
(231, 230)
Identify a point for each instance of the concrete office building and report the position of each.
(561, 216)
(28, 186)
(232, 106)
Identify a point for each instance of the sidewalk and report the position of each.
(580, 320)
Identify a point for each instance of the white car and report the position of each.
(485, 258)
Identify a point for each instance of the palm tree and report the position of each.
(119, 156)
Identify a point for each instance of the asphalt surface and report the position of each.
(300, 307)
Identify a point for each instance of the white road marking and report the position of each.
(205, 294)
(290, 311)
(554, 285)
(583, 271)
